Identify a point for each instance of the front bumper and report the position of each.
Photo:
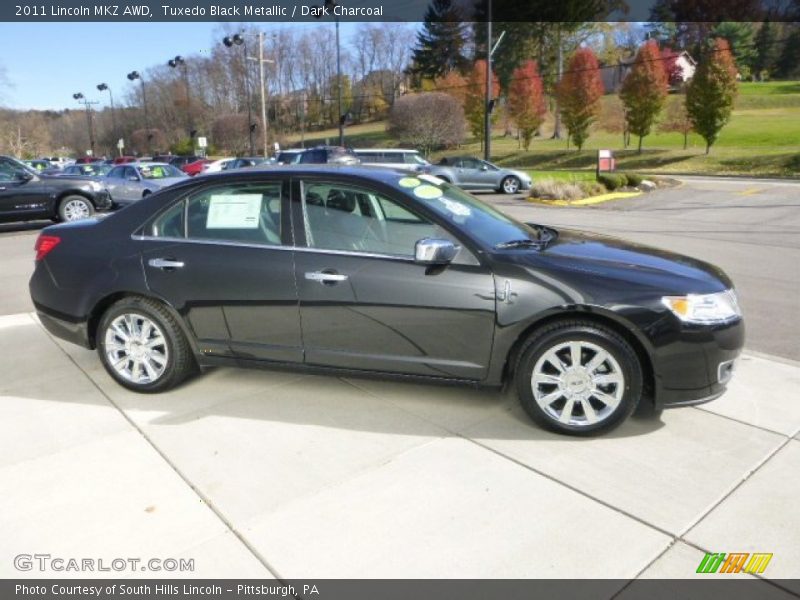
(102, 200)
(696, 366)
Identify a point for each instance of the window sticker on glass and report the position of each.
(427, 192)
(234, 211)
(456, 208)
(409, 182)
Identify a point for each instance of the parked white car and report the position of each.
(396, 158)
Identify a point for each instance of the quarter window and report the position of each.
(346, 218)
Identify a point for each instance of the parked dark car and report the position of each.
(97, 170)
(82, 160)
(329, 155)
(26, 195)
(244, 162)
(366, 270)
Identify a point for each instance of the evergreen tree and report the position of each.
(441, 42)
(740, 39)
(788, 64)
(765, 50)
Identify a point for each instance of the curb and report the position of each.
(587, 201)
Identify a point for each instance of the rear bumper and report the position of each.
(76, 332)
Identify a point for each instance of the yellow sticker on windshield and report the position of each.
(409, 182)
(427, 192)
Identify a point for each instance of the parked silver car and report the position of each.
(479, 175)
(133, 181)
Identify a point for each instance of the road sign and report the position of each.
(605, 161)
(202, 142)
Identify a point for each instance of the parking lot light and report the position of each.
(103, 87)
(174, 63)
(133, 76)
(88, 106)
(238, 40)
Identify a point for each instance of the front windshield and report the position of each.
(96, 170)
(159, 171)
(488, 225)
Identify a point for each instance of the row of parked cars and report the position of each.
(64, 190)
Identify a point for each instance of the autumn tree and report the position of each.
(710, 95)
(453, 84)
(644, 90)
(676, 118)
(526, 103)
(475, 100)
(579, 93)
(428, 121)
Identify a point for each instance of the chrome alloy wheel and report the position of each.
(577, 383)
(75, 210)
(510, 185)
(136, 348)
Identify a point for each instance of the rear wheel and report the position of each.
(578, 378)
(142, 346)
(74, 208)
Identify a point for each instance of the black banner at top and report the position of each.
(711, 11)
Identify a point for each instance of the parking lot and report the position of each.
(262, 474)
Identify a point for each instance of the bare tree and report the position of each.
(428, 121)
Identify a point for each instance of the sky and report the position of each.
(45, 63)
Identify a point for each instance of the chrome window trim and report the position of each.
(144, 238)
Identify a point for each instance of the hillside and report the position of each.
(762, 138)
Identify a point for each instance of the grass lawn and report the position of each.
(761, 139)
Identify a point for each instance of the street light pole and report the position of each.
(239, 40)
(487, 109)
(104, 87)
(133, 76)
(179, 61)
(330, 5)
(87, 104)
(263, 91)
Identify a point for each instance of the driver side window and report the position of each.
(7, 171)
(347, 218)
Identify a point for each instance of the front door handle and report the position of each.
(325, 278)
(165, 263)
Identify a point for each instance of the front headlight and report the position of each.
(704, 308)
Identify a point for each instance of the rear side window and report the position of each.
(246, 213)
(171, 223)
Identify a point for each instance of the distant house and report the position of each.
(680, 69)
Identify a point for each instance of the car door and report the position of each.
(365, 304)
(21, 197)
(132, 185)
(473, 175)
(222, 257)
(115, 184)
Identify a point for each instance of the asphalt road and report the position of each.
(749, 227)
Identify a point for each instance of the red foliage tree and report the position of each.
(526, 103)
(644, 90)
(579, 93)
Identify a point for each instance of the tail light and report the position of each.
(44, 244)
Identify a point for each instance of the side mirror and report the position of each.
(484, 167)
(23, 175)
(429, 251)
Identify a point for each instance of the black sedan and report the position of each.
(26, 195)
(361, 270)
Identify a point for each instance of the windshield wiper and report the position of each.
(524, 243)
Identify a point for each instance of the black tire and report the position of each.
(68, 204)
(594, 336)
(146, 193)
(510, 182)
(180, 362)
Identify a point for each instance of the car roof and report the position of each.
(383, 174)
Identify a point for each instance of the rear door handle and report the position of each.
(165, 263)
(325, 278)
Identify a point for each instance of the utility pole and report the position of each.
(263, 90)
(487, 108)
(339, 84)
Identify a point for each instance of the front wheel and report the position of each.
(143, 347)
(510, 185)
(74, 208)
(578, 378)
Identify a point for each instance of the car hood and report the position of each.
(67, 179)
(605, 256)
(164, 182)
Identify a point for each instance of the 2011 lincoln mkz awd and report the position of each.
(361, 270)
